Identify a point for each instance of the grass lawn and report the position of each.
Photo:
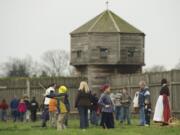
(10, 128)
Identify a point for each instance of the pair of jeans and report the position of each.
(125, 114)
(147, 116)
(83, 113)
(33, 115)
(3, 115)
(118, 112)
(21, 116)
(142, 115)
(14, 115)
(94, 117)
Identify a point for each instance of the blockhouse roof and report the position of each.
(107, 21)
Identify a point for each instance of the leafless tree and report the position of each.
(155, 68)
(56, 63)
(16, 67)
(178, 65)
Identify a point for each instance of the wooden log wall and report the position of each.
(11, 87)
(153, 81)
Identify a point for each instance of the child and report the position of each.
(4, 107)
(28, 106)
(45, 114)
(22, 109)
(63, 107)
(94, 108)
(126, 102)
(147, 109)
(52, 110)
(107, 119)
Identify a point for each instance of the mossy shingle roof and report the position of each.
(107, 21)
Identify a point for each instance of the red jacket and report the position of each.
(22, 107)
(3, 106)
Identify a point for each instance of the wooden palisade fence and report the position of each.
(153, 81)
(33, 86)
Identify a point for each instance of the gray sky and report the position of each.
(31, 27)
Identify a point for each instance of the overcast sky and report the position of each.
(31, 27)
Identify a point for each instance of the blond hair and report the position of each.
(84, 86)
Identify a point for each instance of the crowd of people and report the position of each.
(21, 109)
(100, 108)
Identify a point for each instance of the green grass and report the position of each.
(10, 128)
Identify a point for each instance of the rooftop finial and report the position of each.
(107, 4)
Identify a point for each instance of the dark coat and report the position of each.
(83, 99)
(164, 90)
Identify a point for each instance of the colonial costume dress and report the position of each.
(162, 108)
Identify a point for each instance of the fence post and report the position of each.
(28, 88)
(171, 91)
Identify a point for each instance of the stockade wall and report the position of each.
(33, 87)
(153, 81)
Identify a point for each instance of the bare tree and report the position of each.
(155, 68)
(56, 63)
(16, 67)
(178, 65)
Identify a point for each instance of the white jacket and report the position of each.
(136, 100)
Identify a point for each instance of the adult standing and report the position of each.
(125, 110)
(83, 103)
(34, 108)
(117, 103)
(14, 108)
(107, 107)
(162, 108)
(144, 95)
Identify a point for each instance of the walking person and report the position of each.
(22, 109)
(14, 108)
(83, 103)
(4, 107)
(125, 109)
(144, 94)
(162, 108)
(34, 108)
(107, 108)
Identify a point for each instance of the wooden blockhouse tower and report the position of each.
(106, 45)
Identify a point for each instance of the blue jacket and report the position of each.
(144, 95)
(14, 103)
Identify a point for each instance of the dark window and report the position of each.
(131, 51)
(79, 53)
(103, 52)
